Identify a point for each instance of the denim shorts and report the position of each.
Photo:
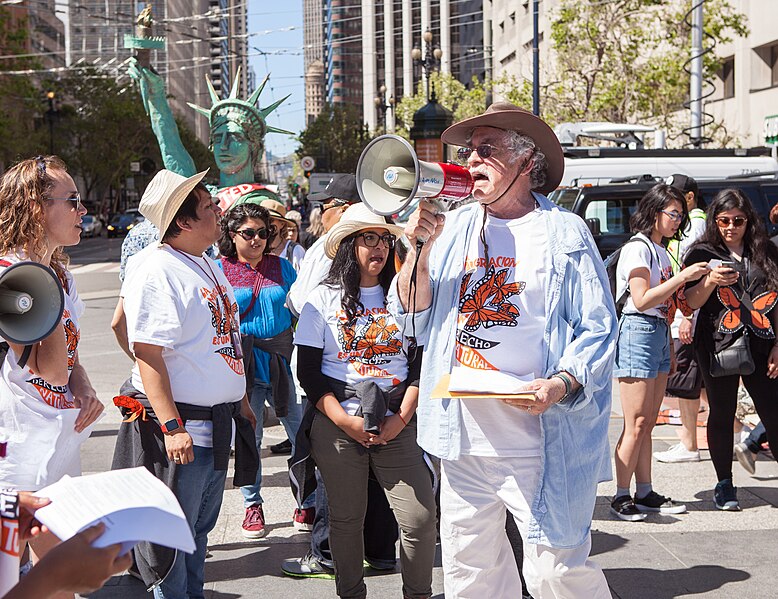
(643, 348)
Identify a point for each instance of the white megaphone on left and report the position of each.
(31, 302)
(390, 175)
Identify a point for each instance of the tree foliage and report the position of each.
(335, 139)
(622, 61)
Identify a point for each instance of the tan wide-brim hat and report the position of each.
(164, 196)
(509, 117)
(356, 218)
(276, 210)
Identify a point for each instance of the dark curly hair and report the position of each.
(656, 199)
(760, 250)
(232, 221)
(344, 275)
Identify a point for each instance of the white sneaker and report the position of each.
(677, 453)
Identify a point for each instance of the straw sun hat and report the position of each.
(356, 218)
(165, 195)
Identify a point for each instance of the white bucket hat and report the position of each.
(356, 218)
(164, 196)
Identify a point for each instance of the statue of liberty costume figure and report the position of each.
(238, 128)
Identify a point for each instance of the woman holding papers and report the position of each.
(737, 304)
(643, 350)
(359, 373)
(47, 402)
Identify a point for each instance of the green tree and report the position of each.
(463, 101)
(622, 60)
(335, 139)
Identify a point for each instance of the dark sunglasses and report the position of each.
(333, 204)
(249, 234)
(738, 221)
(483, 150)
(74, 199)
(371, 239)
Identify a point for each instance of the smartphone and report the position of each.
(727, 264)
(715, 263)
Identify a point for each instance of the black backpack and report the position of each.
(611, 263)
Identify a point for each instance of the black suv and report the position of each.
(607, 208)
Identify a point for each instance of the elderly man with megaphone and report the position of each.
(510, 298)
(45, 393)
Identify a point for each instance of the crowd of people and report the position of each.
(348, 339)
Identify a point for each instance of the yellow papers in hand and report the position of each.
(443, 390)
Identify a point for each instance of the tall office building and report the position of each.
(313, 58)
(45, 30)
(202, 37)
(368, 45)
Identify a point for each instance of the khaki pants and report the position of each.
(401, 471)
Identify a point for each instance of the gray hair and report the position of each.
(519, 145)
(316, 227)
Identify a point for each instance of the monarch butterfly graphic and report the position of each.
(487, 304)
(220, 319)
(743, 311)
(72, 336)
(379, 340)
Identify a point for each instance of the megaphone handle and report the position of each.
(437, 208)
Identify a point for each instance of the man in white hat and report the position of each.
(182, 326)
(510, 294)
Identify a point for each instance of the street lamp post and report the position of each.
(382, 105)
(51, 115)
(432, 118)
(431, 60)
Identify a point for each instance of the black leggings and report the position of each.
(722, 398)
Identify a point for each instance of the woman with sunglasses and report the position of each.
(736, 298)
(362, 381)
(41, 212)
(643, 348)
(261, 282)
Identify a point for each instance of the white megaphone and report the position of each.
(390, 175)
(31, 302)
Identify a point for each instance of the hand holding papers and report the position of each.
(468, 383)
(134, 505)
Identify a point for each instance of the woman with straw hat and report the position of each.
(361, 377)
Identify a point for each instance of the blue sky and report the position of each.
(283, 59)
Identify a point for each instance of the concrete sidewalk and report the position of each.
(704, 553)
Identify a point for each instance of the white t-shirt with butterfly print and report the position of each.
(369, 349)
(501, 321)
(170, 302)
(30, 408)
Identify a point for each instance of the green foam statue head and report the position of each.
(238, 127)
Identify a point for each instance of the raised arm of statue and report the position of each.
(152, 89)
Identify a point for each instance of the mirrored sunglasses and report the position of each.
(249, 234)
(371, 239)
(483, 150)
(738, 221)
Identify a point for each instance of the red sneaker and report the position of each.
(303, 519)
(254, 523)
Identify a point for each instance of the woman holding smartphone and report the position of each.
(736, 298)
(643, 349)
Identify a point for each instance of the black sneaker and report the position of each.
(725, 496)
(282, 448)
(654, 502)
(624, 508)
(307, 567)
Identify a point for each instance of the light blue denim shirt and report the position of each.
(580, 337)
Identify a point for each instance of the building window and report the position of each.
(774, 65)
(727, 76)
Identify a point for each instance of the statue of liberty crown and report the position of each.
(252, 117)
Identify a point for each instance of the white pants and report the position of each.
(478, 561)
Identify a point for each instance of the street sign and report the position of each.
(307, 163)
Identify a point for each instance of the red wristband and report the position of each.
(401, 418)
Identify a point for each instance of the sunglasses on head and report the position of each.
(73, 198)
(371, 239)
(738, 221)
(249, 234)
(483, 150)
